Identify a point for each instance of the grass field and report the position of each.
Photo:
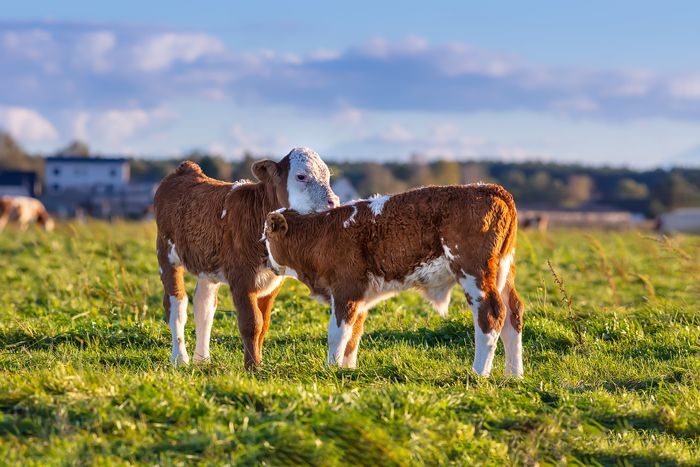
(612, 379)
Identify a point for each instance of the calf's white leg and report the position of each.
(204, 309)
(484, 342)
(512, 338)
(178, 318)
(339, 333)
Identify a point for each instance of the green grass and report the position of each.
(85, 374)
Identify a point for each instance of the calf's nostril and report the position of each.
(331, 203)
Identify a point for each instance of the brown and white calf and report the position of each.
(212, 229)
(427, 239)
(24, 210)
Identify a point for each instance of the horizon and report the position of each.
(594, 85)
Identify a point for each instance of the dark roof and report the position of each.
(85, 159)
(17, 178)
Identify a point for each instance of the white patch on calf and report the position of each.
(273, 262)
(468, 283)
(239, 183)
(173, 257)
(178, 318)
(433, 278)
(503, 269)
(223, 213)
(266, 281)
(377, 203)
(440, 298)
(350, 220)
(448, 253)
(217, 277)
(338, 337)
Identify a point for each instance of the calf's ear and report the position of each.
(276, 225)
(265, 170)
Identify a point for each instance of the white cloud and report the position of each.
(396, 134)
(92, 50)
(31, 44)
(160, 52)
(27, 125)
(580, 104)
(349, 116)
(685, 88)
(323, 55)
(118, 125)
(79, 125)
(244, 140)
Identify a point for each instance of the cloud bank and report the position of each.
(68, 66)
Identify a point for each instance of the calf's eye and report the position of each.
(301, 177)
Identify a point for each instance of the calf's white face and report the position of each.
(308, 182)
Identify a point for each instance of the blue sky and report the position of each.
(589, 82)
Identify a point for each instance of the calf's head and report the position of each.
(301, 181)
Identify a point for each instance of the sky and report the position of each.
(595, 82)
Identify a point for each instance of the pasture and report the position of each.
(612, 375)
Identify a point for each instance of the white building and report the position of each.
(86, 174)
(685, 220)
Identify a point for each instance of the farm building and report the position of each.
(86, 174)
(585, 217)
(18, 183)
(686, 220)
(100, 187)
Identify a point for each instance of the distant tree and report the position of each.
(628, 189)
(214, 167)
(446, 173)
(12, 156)
(421, 175)
(242, 170)
(578, 190)
(75, 148)
(474, 173)
(379, 179)
(674, 191)
(142, 169)
(515, 181)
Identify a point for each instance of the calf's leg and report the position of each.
(340, 329)
(250, 321)
(205, 300)
(265, 306)
(512, 330)
(350, 356)
(174, 302)
(488, 311)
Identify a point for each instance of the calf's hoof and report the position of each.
(179, 359)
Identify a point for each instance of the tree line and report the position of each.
(548, 185)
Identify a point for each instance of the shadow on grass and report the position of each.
(608, 458)
(80, 337)
(450, 333)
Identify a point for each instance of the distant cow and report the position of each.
(427, 239)
(213, 229)
(24, 210)
(535, 222)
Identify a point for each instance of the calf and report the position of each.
(427, 239)
(212, 229)
(24, 210)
